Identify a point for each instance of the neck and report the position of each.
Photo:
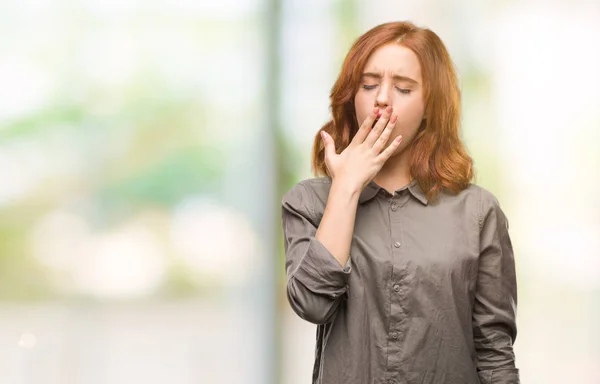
(395, 173)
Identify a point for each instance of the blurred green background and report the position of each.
(145, 147)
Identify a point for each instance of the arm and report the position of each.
(337, 225)
(315, 256)
(316, 278)
(495, 306)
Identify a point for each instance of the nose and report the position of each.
(382, 99)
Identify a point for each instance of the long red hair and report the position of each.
(439, 160)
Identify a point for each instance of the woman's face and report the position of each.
(392, 77)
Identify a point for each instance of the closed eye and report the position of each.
(402, 90)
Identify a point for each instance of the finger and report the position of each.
(383, 156)
(328, 144)
(385, 135)
(379, 126)
(365, 127)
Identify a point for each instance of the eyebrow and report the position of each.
(378, 76)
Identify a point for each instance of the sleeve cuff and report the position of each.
(320, 271)
(500, 376)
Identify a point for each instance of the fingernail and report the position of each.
(394, 118)
(399, 138)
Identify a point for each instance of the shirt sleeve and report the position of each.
(316, 282)
(495, 305)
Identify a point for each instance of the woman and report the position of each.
(405, 265)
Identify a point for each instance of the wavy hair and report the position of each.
(439, 160)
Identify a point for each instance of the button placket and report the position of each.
(396, 202)
(397, 320)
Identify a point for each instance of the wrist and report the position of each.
(344, 189)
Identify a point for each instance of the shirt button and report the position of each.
(394, 207)
(395, 335)
(396, 288)
(397, 244)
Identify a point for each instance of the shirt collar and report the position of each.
(372, 189)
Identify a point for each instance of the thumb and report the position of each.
(329, 144)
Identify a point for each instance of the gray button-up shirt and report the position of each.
(428, 295)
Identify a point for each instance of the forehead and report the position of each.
(394, 59)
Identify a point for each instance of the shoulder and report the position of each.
(488, 205)
(479, 194)
(474, 194)
(317, 187)
(478, 199)
(308, 195)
